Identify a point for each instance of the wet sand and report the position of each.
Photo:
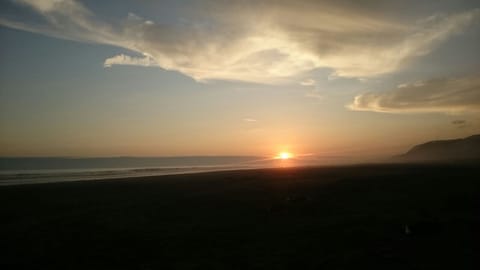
(349, 217)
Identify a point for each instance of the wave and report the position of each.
(51, 176)
(14, 171)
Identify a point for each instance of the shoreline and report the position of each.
(149, 172)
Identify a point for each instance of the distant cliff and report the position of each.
(445, 150)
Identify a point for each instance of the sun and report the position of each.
(284, 155)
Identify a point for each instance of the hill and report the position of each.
(445, 150)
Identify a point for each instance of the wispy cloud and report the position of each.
(460, 123)
(308, 82)
(254, 40)
(314, 93)
(249, 120)
(126, 60)
(445, 95)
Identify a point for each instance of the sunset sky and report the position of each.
(168, 78)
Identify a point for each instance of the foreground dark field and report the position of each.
(311, 218)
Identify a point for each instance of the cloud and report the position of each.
(49, 6)
(460, 123)
(308, 82)
(444, 95)
(314, 93)
(68, 19)
(250, 120)
(121, 59)
(254, 41)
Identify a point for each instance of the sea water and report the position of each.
(33, 170)
(44, 170)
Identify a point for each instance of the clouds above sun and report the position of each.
(445, 95)
(253, 41)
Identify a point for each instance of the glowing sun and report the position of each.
(284, 155)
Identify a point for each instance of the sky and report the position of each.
(211, 77)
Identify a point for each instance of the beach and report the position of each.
(393, 216)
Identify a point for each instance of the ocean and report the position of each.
(59, 169)
(32, 170)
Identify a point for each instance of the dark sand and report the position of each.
(311, 218)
